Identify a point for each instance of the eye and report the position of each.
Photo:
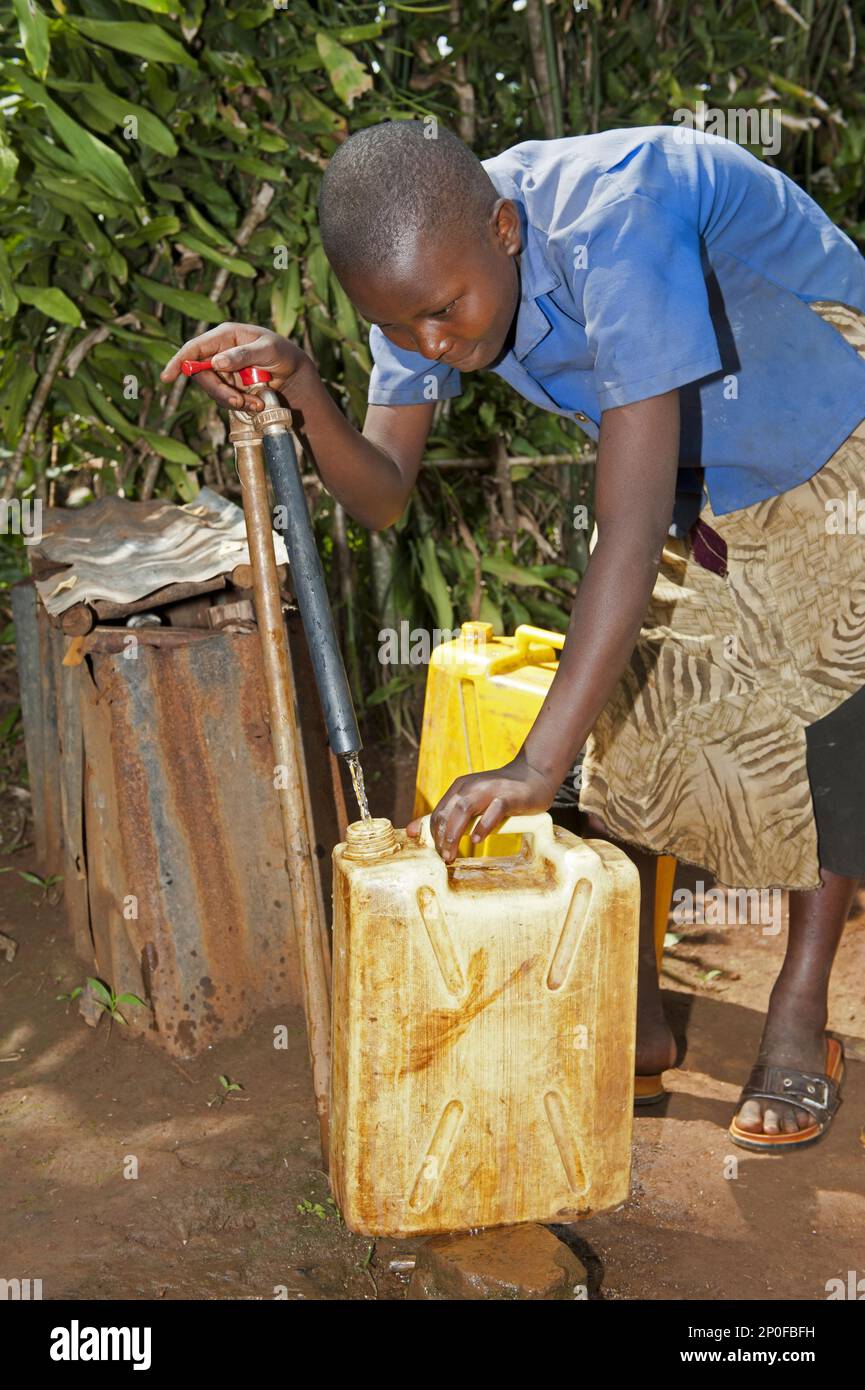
(441, 313)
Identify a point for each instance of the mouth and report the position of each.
(461, 361)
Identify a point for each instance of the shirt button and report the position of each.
(580, 416)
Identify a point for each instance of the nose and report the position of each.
(433, 344)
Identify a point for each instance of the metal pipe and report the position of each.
(288, 750)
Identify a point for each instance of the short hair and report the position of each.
(391, 184)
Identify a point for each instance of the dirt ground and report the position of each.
(230, 1202)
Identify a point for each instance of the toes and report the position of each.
(750, 1117)
(761, 1117)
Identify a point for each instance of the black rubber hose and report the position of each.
(310, 591)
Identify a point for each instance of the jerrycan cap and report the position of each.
(370, 839)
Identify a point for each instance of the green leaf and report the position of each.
(130, 999)
(356, 33)
(188, 302)
(185, 483)
(346, 318)
(433, 583)
(285, 299)
(85, 192)
(172, 192)
(96, 159)
(270, 142)
(491, 614)
(174, 450)
(395, 686)
(547, 614)
(33, 26)
(8, 722)
(144, 40)
(236, 264)
(8, 163)
(53, 303)
(520, 445)
(506, 570)
(8, 297)
(318, 270)
(15, 398)
(313, 112)
(348, 76)
(259, 168)
(236, 69)
(207, 229)
(98, 989)
(151, 131)
(159, 227)
(159, 350)
(106, 408)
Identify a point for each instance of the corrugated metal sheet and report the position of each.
(38, 648)
(188, 897)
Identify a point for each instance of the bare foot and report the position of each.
(794, 1036)
(656, 1046)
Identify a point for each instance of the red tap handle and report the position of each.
(250, 376)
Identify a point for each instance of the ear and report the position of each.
(505, 221)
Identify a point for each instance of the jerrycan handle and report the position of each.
(527, 636)
(539, 827)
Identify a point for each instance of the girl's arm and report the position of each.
(634, 492)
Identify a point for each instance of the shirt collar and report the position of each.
(537, 276)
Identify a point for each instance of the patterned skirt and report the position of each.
(736, 737)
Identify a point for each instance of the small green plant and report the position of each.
(323, 1211)
(104, 996)
(109, 1001)
(228, 1088)
(72, 994)
(707, 976)
(46, 884)
(671, 939)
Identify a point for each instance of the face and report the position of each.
(453, 304)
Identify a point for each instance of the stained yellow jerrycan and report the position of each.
(483, 1030)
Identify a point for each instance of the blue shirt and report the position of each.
(663, 257)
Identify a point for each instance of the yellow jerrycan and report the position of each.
(483, 1030)
(483, 693)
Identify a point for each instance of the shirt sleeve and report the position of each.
(645, 301)
(406, 378)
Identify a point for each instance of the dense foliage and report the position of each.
(159, 163)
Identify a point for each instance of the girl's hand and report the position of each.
(235, 345)
(515, 790)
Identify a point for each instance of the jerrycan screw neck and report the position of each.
(370, 839)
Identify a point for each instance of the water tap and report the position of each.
(275, 416)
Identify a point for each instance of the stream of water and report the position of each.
(356, 771)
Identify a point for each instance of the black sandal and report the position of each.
(817, 1092)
